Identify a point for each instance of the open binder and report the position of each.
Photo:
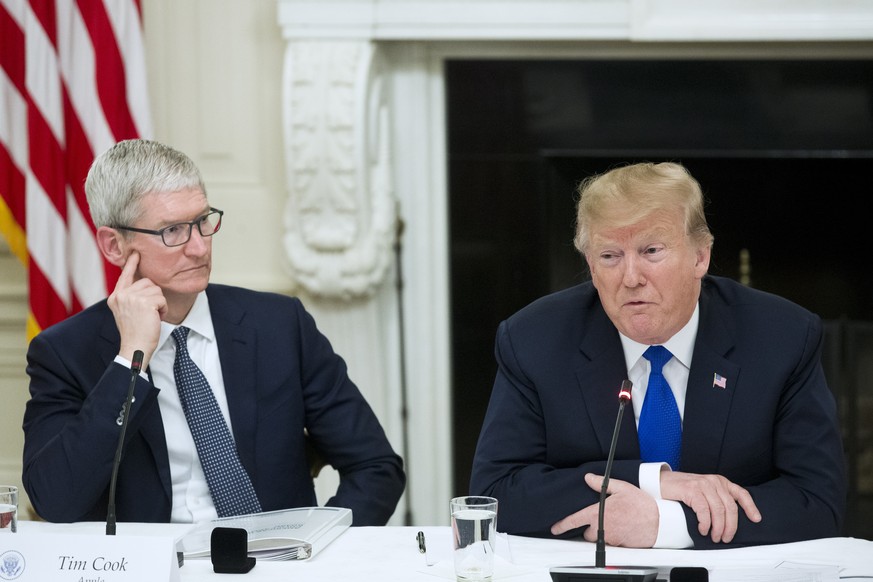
(286, 534)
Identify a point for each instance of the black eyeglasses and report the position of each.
(178, 234)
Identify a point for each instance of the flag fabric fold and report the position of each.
(72, 83)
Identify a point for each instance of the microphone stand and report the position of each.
(600, 548)
(135, 367)
(600, 571)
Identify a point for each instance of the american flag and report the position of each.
(719, 380)
(72, 83)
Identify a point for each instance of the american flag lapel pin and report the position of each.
(719, 381)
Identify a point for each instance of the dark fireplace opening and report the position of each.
(781, 148)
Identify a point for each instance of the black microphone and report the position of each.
(601, 571)
(135, 367)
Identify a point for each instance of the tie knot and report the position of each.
(658, 356)
(180, 334)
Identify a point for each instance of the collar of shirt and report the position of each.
(676, 370)
(198, 320)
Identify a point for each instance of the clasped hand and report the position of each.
(631, 518)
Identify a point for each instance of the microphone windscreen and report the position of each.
(228, 547)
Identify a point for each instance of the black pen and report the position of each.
(422, 548)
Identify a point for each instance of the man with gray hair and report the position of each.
(236, 385)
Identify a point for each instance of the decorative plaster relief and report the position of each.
(341, 213)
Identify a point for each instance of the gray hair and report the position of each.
(627, 194)
(122, 175)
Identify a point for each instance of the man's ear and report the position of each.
(704, 253)
(112, 245)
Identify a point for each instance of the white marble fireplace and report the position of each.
(364, 126)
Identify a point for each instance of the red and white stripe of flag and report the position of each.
(72, 83)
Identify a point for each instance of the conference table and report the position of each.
(390, 553)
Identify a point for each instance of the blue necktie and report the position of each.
(660, 427)
(230, 486)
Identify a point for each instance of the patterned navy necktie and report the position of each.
(660, 426)
(230, 486)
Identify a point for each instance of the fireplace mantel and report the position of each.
(574, 20)
(364, 125)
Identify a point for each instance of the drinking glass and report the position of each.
(8, 509)
(474, 537)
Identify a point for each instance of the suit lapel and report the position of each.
(237, 345)
(707, 403)
(600, 374)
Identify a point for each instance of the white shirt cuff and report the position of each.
(119, 359)
(672, 529)
(650, 478)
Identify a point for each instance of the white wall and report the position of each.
(214, 71)
(13, 380)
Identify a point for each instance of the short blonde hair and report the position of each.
(627, 194)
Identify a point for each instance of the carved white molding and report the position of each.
(341, 214)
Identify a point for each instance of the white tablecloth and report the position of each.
(386, 554)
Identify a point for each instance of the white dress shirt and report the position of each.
(672, 532)
(192, 501)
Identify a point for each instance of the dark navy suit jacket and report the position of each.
(281, 376)
(773, 428)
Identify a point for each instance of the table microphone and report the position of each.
(135, 367)
(601, 571)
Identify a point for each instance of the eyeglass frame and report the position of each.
(197, 221)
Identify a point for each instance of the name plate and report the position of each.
(46, 557)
